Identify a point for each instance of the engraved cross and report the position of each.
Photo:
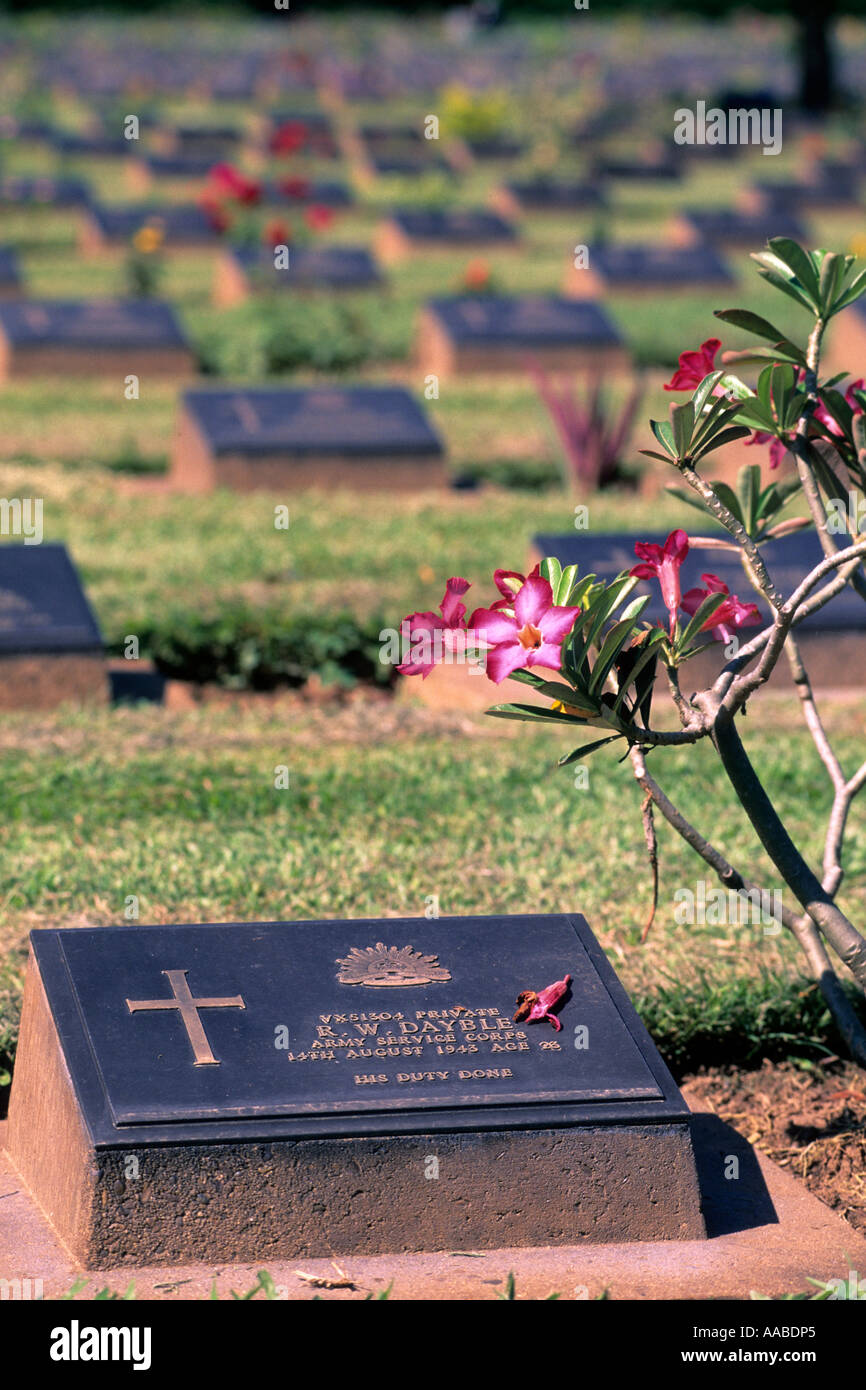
(188, 1008)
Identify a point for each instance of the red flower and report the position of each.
(294, 187)
(729, 615)
(476, 275)
(318, 218)
(276, 233)
(663, 563)
(215, 213)
(288, 138)
(778, 447)
(534, 1007)
(694, 366)
(229, 182)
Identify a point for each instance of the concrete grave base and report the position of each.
(256, 1200)
(765, 1233)
(171, 364)
(44, 680)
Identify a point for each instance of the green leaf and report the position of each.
(726, 437)
(705, 390)
(706, 610)
(799, 263)
(562, 591)
(727, 495)
(551, 570)
(854, 291)
(762, 328)
(682, 423)
(665, 436)
(534, 714)
(829, 281)
(779, 281)
(611, 647)
(648, 654)
(651, 454)
(554, 690)
(587, 748)
(748, 491)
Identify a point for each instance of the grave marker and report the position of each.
(324, 1064)
(50, 645)
(648, 269)
(242, 271)
(442, 229)
(92, 338)
(368, 437)
(498, 334)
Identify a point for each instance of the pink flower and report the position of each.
(728, 616)
(532, 636)
(423, 626)
(822, 414)
(534, 1007)
(663, 563)
(508, 582)
(778, 447)
(694, 366)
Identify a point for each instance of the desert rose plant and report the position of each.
(582, 643)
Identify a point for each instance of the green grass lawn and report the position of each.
(388, 808)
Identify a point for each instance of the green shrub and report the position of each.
(738, 1022)
(271, 338)
(246, 648)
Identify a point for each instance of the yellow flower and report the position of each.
(857, 245)
(149, 238)
(572, 709)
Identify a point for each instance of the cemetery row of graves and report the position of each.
(275, 363)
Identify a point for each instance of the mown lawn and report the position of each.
(390, 808)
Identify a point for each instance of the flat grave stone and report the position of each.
(209, 141)
(731, 229)
(92, 338)
(243, 270)
(19, 191)
(467, 333)
(801, 196)
(72, 144)
(312, 130)
(182, 225)
(10, 274)
(50, 645)
(408, 230)
(329, 1067)
(547, 196)
(831, 641)
(406, 163)
(146, 171)
(494, 147)
(293, 191)
(661, 168)
(648, 268)
(369, 437)
(30, 132)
